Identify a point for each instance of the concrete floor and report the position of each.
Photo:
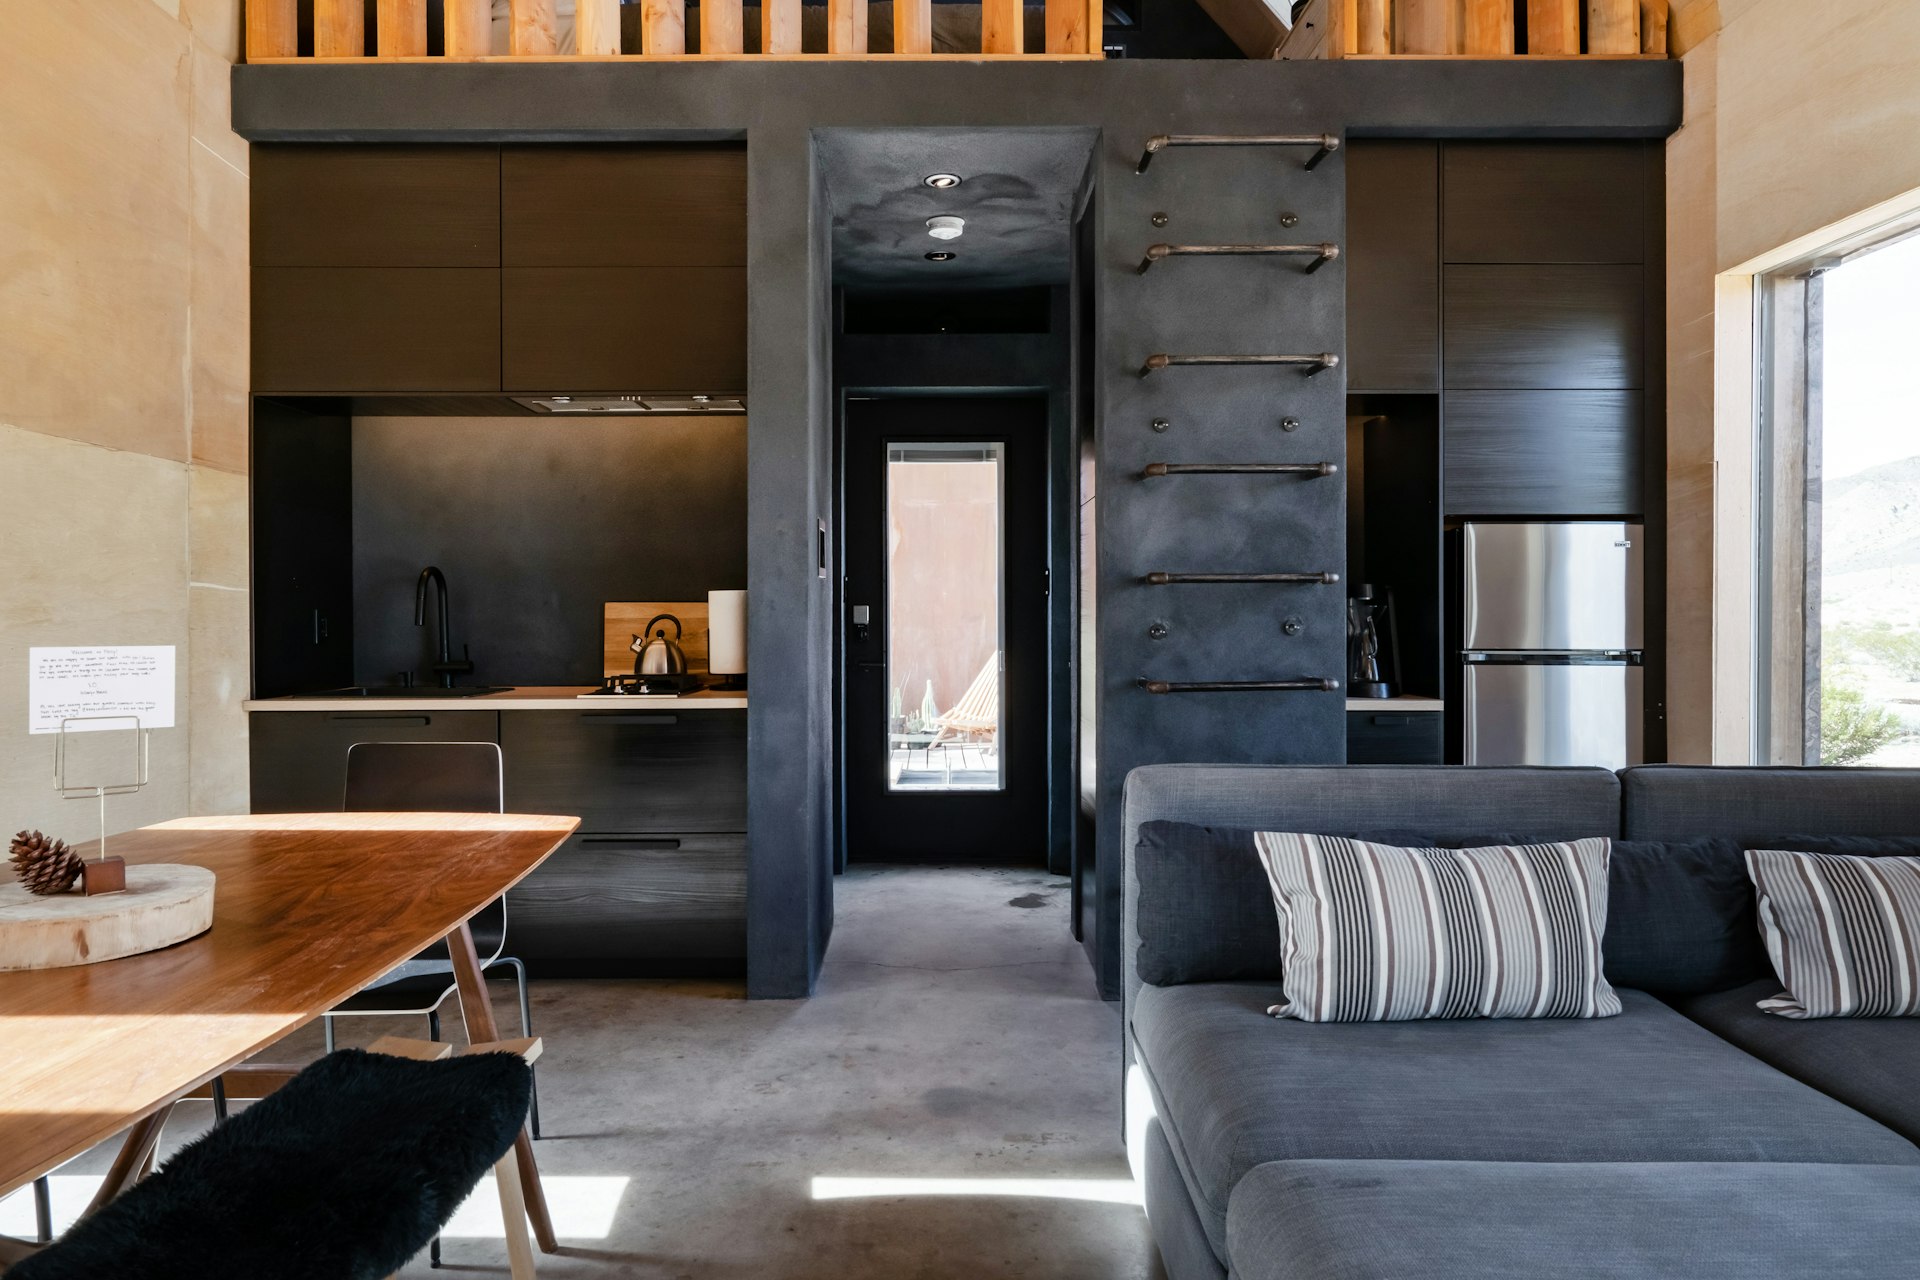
(956, 1034)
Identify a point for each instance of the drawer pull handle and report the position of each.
(363, 718)
(631, 842)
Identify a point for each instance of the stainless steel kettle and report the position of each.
(654, 654)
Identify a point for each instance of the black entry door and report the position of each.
(945, 711)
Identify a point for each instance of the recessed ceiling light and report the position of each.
(940, 255)
(945, 226)
(942, 181)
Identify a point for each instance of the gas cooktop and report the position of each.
(650, 686)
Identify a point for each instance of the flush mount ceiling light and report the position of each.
(945, 226)
(942, 181)
(940, 255)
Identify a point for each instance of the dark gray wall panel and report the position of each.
(777, 106)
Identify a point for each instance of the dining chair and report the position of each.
(432, 777)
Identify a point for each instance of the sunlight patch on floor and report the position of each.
(1096, 1190)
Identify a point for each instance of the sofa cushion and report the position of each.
(1868, 1063)
(1236, 1089)
(1680, 917)
(1380, 933)
(1324, 1219)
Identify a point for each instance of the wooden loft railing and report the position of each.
(399, 31)
(1454, 28)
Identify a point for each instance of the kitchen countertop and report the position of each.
(1405, 702)
(525, 698)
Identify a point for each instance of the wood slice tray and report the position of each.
(163, 904)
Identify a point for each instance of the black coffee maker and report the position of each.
(1373, 643)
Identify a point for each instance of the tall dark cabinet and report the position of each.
(1506, 324)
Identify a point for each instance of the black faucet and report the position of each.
(446, 668)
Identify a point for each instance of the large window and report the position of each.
(1839, 503)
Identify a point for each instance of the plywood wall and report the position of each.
(1799, 117)
(123, 365)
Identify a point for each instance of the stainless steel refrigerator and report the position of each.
(1552, 644)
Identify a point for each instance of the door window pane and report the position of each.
(1868, 524)
(944, 619)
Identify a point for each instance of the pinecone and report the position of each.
(44, 865)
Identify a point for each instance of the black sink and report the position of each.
(411, 691)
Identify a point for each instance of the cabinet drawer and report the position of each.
(623, 206)
(1544, 453)
(375, 206)
(1389, 737)
(1545, 327)
(1545, 201)
(662, 329)
(629, 771)
(299, 758)
(342, 329)
(638, 902)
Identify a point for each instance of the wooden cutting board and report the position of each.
(163, 904)
(624, 619)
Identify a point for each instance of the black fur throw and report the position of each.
(344, 1173)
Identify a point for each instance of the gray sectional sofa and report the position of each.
(1692, 1136)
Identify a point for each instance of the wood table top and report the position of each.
(308, 909)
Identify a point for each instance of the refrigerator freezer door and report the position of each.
(1554, 714)
(1553, 586)
(1564, 715)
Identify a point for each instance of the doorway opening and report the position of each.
(957, 337)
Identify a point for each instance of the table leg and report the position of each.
(136, 1155)
(481, 1029)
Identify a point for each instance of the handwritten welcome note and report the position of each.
(116, 680)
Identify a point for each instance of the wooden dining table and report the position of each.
(308, 909)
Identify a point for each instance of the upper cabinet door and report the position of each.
(1545, 327)
(1547, 202)
(375, 206)
(624, 206)
(1393, 266)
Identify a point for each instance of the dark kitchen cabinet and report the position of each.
(661, 329)
(1545, 453)
(623, 772)
(655, 904)
(624, 206)
(1393, 266)
(1544, 202)
(1521, 327)
(302, 516)
(1394, 737)
(347, 329)
(375, 206)
(299, 758)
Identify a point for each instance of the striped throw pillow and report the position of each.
(1843, 933)
(1375, 933)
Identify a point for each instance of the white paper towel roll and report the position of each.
(726, 632)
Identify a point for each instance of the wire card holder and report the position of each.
(96, 779)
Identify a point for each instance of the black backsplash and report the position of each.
(536, 524)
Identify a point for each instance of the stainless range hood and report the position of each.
(640, 404)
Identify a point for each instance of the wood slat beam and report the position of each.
(847, 26)
(1066, 25)
(1003, 27)
(1429, 26)
(1373, 27)
(1553, 27)
(596, 27)
(532, 28)
(722, 27)
(1487, 28)
(663, 26)
(779, 26)
(339, 29)
(273, 29)
(400, 28)
(1653, 26)
(1691, 22)
(1613, 26)
(469, 28)
(913, 25)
